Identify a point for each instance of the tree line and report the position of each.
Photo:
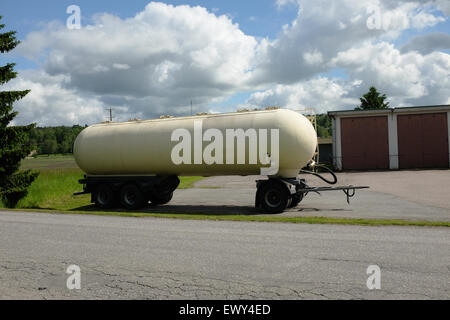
(53, 140)
(323, 126)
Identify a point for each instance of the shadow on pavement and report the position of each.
(183, 209)
(300, 209)
(203, 209)
(221, 210)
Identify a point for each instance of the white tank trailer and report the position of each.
(137, 162)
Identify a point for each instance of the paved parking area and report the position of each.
(411, 195)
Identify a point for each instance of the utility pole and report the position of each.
(110, 114)
(191, 107)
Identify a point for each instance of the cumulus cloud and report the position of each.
(406, 78)
(282, 3)
(321, 94)
(156, 62)
(50, 103)
(443, 5)
(428, 43)
(354, 36)
(324, 28)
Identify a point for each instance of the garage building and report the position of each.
(396, 138)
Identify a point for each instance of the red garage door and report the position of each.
(423, 140)
(365, 143)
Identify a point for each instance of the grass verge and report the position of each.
(50, 162)
(253, 218)
(188, 182)
(54, 188)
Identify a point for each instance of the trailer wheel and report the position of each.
(131, 197)
(104, 197)
(160, 198)
(274, 197)
(296, 199)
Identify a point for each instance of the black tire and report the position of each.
(131, 197)
(105, 197)
(296, 199)
(160, 199)
(274, 197)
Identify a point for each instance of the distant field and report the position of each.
(49, 162)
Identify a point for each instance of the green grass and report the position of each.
(188, 182)
(49, 162)
(252, 218)
(54, 189)
(58, 180)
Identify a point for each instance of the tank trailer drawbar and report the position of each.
(133, 163)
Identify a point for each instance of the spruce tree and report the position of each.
(13, 147)
(373, 100)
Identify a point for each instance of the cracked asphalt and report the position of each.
(150, 258)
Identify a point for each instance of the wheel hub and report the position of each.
(273, 198)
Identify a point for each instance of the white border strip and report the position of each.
(393, 142)
(337, 146)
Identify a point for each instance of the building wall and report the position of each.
(337, 146)
(448, 135)
(423, 131)
(393, 141)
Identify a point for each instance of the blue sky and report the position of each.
(320, 59)
(25, 16)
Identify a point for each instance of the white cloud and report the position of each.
(321, 94)
(442, 5)
(282, 3)
(329, 27)
(406, 78)
(51, 104)
(163, 57)
(120, 66)
(428, 43)
(424, 19)
(159, 60)
(314, 57)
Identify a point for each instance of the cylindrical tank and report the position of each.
(148, 147)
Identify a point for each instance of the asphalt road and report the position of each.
(122, 258)
(406, 195)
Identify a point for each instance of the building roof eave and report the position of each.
(380, 112)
